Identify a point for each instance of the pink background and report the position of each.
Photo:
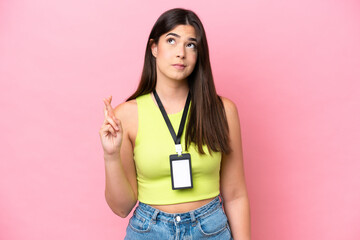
(292, 68)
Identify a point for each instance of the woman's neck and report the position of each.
(172, 92)
(172, 95)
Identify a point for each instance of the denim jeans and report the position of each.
(206, 222)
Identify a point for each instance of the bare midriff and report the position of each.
(182, 207)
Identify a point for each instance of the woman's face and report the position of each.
(177, 46)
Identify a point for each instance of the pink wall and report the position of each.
(292, 67)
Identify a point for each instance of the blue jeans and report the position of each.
(206, 222)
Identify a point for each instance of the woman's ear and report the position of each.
(153, 47)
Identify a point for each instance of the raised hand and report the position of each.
(111, 130)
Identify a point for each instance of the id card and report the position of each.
(180, 167)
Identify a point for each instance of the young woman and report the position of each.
(175, 144)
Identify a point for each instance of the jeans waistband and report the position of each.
(192, 215)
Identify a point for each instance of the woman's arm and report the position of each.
(232, 179)
(120, 173)
(118, 192)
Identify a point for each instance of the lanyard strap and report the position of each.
(168, 123)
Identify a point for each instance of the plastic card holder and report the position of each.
(181, 175)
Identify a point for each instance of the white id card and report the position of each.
(180, 167)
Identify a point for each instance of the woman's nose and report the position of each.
(181, 52)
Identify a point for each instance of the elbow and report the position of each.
(120, 213)
(123, 213)
(120, 210)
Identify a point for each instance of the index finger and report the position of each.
(108, 106)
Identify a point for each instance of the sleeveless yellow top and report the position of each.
(154, 144)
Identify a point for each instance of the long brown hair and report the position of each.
(207, 119)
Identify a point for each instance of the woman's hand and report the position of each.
(111, 130)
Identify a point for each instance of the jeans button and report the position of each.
(177, 218)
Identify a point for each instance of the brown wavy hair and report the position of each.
(207, 119)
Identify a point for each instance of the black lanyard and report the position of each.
(168, 123)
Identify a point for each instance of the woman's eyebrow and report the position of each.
(176, 35)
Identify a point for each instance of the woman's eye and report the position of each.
(194, 46)
(170, 40)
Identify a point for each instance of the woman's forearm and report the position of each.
(238, 213)
(118, 192)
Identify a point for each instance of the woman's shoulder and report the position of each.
(229, 105)
(126, 111)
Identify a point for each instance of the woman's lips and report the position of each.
(179, 66)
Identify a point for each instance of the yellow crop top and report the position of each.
(154, 144)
